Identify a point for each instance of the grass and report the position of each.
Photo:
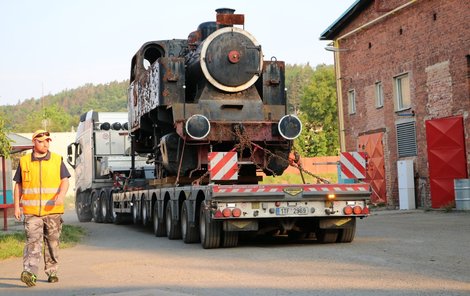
(297, 179)
(12, 244)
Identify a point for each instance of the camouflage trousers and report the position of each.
(39, 230)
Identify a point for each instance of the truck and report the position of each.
(110, 189)
(207, 118)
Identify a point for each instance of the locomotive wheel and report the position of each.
(327, 236)
(346, 235)
(159, 228)
(83, 211)
(95, 206)
(229, 239)
(189, 234)
(209, 230)
(173, 227)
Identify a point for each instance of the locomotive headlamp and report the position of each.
(290, 127)
(198, 126)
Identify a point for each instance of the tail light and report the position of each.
(236, 212)
(348, 210)
(365, 211)
(227, 212)
(357, 210)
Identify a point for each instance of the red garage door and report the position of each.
(375, 174)
(446, 158)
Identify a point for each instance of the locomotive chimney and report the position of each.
(227, 18)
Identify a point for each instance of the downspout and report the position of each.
(339, 93)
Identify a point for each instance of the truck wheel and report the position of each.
(173, 227)
(82, 210)
(189, 234)
(229, 239)
(158, 223)
(105, 206)
(135, 211)
(346, 235)
(326, 236)
(95, 205)
(209, 230)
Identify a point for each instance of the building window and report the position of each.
(379, 95)
(402, 92)
(406, 139)
(352, 101)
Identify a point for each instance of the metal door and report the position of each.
(446, 158)
(375, 174)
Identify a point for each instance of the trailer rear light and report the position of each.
(357, 210)
(331, 196)
(277, 204)
(348, 210)
(227, 212)
(236, 212)
(218, 214)
(365, 211)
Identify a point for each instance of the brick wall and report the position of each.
(428, 40)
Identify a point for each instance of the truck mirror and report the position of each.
(71, 155)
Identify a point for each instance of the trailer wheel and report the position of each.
(346, 235)
(144, 214)
(173, 227)
(83, 211)
(189, 234)
(96, 209)
(229, 239)
(158, 223)
(135, 211)
(209, 229)
(326, 236)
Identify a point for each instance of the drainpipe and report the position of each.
(339, 93)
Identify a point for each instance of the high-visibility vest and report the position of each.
(40, 181)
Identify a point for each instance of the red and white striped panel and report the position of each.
(223, 165)
(353, 165)
(358, 187)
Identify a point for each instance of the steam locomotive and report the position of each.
(210, 92)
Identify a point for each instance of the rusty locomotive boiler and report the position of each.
(210, 92)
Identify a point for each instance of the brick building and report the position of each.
(403, 81)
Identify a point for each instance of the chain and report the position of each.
(245, 142)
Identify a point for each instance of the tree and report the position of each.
(4, 141)
(318, 112)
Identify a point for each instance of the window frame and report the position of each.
(379, 95)
(402, 95)
(351, 101)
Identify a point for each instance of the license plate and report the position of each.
(291, 211)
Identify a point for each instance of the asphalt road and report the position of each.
(394, 253)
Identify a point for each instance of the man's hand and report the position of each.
(18, 213)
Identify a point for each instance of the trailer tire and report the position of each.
(346, 235)
(189, 234)
(96, 207)
(83, 211)
(135, 211)
(229, 239)
(159, 228)
(209, 229)
(173, 227)
(144, 213)
(327, 236)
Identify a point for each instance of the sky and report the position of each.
(49, 46)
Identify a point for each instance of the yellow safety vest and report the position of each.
(40, 180)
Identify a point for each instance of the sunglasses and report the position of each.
(42, 135)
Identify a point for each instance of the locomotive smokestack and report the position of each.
(227, 18)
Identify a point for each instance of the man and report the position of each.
(41, 184)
